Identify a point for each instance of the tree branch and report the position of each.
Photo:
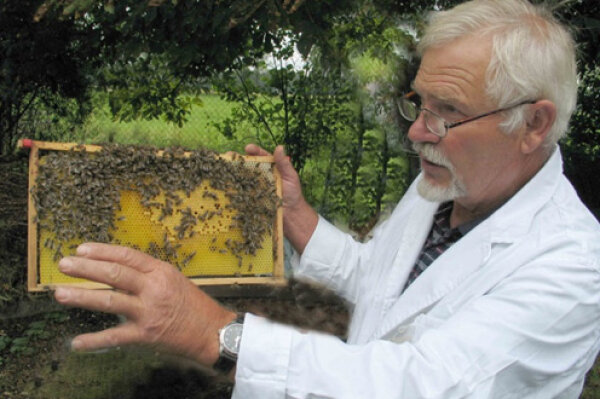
(253, 107)
(233, 22)
(297, 4)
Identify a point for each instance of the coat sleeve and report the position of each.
(534, 335)
(335, 259)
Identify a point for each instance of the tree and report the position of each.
(298, 106)
(333, 114)
(64, 48)
(581, 147)
(39, 61)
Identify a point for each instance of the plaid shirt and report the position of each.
(440, 238)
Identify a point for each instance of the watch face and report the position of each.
(232, 337)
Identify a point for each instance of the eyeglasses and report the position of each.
(435, 123)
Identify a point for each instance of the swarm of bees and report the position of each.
(77, 193)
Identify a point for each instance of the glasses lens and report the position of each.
(434, 123)
(408, 109)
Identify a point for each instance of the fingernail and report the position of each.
(65, 264)
(61, 294)
(76, 344)
(83, 250)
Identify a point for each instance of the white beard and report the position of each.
(436, 193)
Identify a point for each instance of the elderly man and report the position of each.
(484, 282)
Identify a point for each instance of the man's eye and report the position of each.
(416, 100)
(449, 109)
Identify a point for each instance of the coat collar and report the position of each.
(513, 219)
(507, 224)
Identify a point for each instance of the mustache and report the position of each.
(431, 154)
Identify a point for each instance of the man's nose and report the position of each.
(420, 133)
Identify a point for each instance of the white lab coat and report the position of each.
(511, 310)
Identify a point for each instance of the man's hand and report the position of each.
(292, 190)
(299, 219)
(163, 308)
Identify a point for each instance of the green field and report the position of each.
(198, 131)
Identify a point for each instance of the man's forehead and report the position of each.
(454, 72)
(440, 88)
(439, 93)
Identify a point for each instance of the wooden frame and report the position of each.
(219, 283)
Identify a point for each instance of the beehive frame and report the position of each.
(274, 276)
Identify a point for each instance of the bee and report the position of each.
(77, 194)
(57, 256)
(188, 258)
(203, 217)
(208, 194)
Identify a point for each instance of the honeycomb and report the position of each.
(207, 229)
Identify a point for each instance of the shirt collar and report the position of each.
(445, 210)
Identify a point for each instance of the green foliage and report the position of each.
(153, 59)
(144, 89)
(197, 132)
(330, 112)
(581, 147)
(57, 317)
(298, 108)
(36, 330)
(583, 16)
(21, 345)
(13, 228)
(40, 60)
(368, 68)
(110, 374)
(5, 342)
(148, 54)
(364, 177)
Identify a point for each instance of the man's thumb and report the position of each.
(283, 162)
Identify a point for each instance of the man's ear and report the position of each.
(540, 119)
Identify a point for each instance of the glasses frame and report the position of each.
(447, 125)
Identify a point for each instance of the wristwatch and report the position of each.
(230, 338)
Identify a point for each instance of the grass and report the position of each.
(113, 374)
(591, 390)
(198, 131)
(53, 372)
(37, 364)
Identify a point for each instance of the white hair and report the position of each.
(433, 192)
(533, 56)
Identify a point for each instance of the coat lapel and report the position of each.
(471, 252)
(409, 239)
(448, 271)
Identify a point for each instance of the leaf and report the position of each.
(5, 341)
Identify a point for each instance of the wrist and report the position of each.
(209, 351)
(229, 339)
(299, 223)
